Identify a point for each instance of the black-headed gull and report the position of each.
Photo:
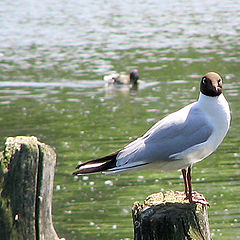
(178, 140)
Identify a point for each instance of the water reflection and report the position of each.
(82, 84)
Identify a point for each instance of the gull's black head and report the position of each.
(211, 84)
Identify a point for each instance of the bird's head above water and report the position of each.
(134, 76)
(211, 84)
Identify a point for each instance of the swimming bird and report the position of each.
(117, 78)
(176, 142)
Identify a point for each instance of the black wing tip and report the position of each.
(80, 173)
(93, 170)
(108, 162)
(76, 173)
(78, 166)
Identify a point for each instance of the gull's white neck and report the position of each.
(203, 99)
(218, 103)
(217, 109)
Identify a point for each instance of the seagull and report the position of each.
(177, 141)
(116, 78)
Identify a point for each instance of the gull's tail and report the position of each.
(97, 165)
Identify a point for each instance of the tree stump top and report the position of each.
(169, 196)
(169, 216)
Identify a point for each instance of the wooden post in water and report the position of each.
(170, 217)
(26, 188)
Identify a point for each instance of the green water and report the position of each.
(52, 59)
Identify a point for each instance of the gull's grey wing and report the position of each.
(173, 134)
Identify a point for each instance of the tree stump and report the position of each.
(26, 188)
(170, 217)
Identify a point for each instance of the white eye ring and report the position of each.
(204, 80)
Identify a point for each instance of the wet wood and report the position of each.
(168, 216)
(26, 187)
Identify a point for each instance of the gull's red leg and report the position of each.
(189, 179)
(184, 173)
(192, 196)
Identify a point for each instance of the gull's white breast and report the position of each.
(217, 112)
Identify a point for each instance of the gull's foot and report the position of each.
(197, 198)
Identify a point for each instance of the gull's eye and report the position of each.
(219, 80)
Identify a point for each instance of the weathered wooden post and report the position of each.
(26, 188)
(170, 217)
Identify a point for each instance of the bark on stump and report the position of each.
(170, 217)
(26, 188)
